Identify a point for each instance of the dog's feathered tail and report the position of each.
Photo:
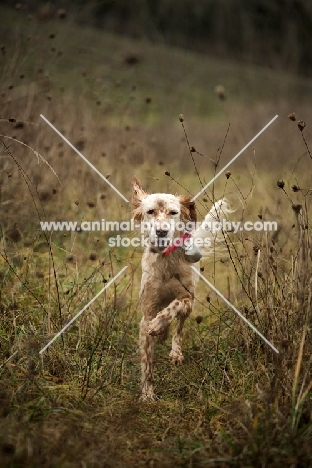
(212, 231)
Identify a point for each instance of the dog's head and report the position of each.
(163, 216)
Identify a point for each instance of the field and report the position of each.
(234, 402)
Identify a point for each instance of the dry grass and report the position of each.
(234, 402)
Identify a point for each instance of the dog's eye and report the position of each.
(173, 212)
(151, 212)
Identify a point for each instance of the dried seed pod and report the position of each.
(301, 125)
(220, 92)
(14, 234)
(61, 13)
(256, 249)
(297, 208)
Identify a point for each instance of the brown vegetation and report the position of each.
(234, 402)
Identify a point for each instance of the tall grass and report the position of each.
(234, 402)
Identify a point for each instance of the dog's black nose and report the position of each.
(161, 232)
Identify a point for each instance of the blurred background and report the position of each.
(276, 33)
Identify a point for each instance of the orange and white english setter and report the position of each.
(168, 282)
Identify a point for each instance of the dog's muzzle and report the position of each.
(161, 233)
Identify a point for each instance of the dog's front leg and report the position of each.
(180, 309)
(146, 351)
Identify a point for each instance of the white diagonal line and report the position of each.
(84, 158)
(82, 310)
(233, 159)
(9, 359)
(235, 310)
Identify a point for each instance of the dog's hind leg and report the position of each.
(176, 356)
(146, 352)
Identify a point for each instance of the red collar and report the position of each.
(176, 244)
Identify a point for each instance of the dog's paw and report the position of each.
(156, 326)
(147, 396)
(176, 358)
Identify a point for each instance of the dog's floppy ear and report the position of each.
(188, 209)
(138, 194)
